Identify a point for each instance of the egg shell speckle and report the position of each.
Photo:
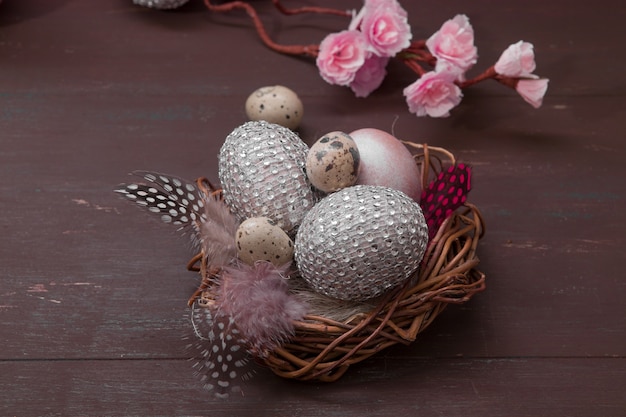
(260, 239)
(360, 242)
(387, 162)
(333, 162)
(275, 104)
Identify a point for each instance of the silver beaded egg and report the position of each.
(160, 4)
(360, 242)
(262, 172)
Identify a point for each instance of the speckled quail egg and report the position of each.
(275, 104)
(259, 239)
(360, 242)
(333, 162)
(262, 172)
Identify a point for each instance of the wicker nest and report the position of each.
(323, 348)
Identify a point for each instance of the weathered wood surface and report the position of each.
(92, 292)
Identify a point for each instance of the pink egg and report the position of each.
(386, 161)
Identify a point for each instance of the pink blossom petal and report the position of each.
(370, 76)
(453, 44)
(385, 25)
(532, 90)
(434, 94)
(518, 60)
(341, 55)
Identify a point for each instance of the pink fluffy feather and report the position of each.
(257, 298)
(217, 233)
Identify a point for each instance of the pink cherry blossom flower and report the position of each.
(370, 76)
(341, 55)
(518, 60)
(434, 94)
(385, 26)
(532, 90)
(453, 45)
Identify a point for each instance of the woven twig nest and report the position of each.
(323, 348)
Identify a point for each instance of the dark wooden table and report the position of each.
(93, 292)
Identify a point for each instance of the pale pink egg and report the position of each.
(386, 161)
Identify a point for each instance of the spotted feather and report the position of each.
(222, 361)
(174, 200)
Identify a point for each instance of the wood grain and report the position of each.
(386, 386)
(93, 291)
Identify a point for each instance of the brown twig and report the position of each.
(310, 9)
(416, 67)
(485, 75)
(412, 56)
(306, 50)
(490, 73)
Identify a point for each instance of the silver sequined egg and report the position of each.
(361, 241)
(160, 4)
(261, 169)
(333, 162)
